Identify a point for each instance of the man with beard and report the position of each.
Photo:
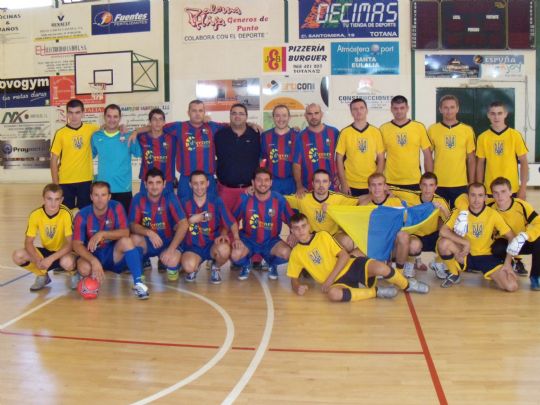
(263, 215)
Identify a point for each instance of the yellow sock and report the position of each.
(356, 294)
(396, 278)
(453, 265)
(32, 267)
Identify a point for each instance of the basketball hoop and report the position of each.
(97, 90)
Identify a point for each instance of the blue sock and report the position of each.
(244, 261)
(275, 261)
(134, 263)
(176, 268)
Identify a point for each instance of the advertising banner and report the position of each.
(57, 58)
(68, 23)
(24, 92)
(365, 58)
(15, 25)
(377, 92)
(25, 154)
(348, 19)
(295, 59)
(25, 123)
(220, 95)
(121, 18)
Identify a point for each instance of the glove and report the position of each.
(514, 247)
(462, 224)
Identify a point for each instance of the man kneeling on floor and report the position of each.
(343, 278)
(101, 239)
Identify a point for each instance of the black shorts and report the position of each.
(412, 187)
(451, 193)
(357, 192)
(357, 274)
(46, 253)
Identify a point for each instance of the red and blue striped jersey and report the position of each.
(314, 151)
(262, 220)
(87, 223)
(161, 216)
(195, 146)
(204, 233)
(158, 152)
(277, 152)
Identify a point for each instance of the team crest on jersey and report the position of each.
(498, 148)
(450, 141)
(362, 145)
(401, 139)
(194, 229)
(146, 222)
(328, 141)
(50, 231)
(320, 216)
(274, 156)
(254, 221)
(149, 157)
(271, 212)
(165, 145)
(313, 155)
(478, 230)
(315, 256)
(77, 142)
(190, 143)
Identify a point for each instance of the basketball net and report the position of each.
(97, 90)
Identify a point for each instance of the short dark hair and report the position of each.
(197, 173)
(298, 217)
(196, 101)
(53, 188)
(263, 170)
(497, 103)
(318, 171)
(155, 111)
(476, 185)
(112, 107)
(357, 100)
(448, 97)
(154, 172)
(399, 100)
(501, 181)
(74, 103)
(280, 106)
(239, 105)
(429, 176)
(98, 184)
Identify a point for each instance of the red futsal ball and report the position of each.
(88, 287)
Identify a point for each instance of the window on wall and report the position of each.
(17, 4)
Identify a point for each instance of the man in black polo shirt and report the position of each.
(238, 148)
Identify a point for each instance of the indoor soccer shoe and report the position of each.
(40, 282)
(272, 273)
(417, 286)
(215, 275)
(535, 283)
(386, 292)
(74, 280)
(141, 291)
(440, 270)
(451, 280)
(519, 268)
(408, 270)
(191, 277)
(172, 275)
(244, 273)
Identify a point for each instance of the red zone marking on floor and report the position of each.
(425, 349)
(199, 346)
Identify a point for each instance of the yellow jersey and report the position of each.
(389, 201)
(501, 149)
(74, 150)
(413, 198)
(318, 257)
(521, 217)
(403, 144)
(315, 210)
(482, 228)
(360, 147)
(53, 230)
(451, 145)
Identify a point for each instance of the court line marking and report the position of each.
(261, 349)
(427, 355)
(211, 363)
(29, 312)
(14, 279)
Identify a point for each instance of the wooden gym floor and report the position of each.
(255, 342)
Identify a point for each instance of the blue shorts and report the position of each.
(185, 192)
(202, 252)
(429, 242)
(105, 255)
(151, 251)
(284, 186)
(483, 263)
(263, 249)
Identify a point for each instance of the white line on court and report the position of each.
(211, 363)
(261, 349)
(30, 311)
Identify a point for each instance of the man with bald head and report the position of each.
(314, 149)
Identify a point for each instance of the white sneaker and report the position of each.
(141, 291)
(386, 292)
(440, 270)
(417, 286)
(408, 270)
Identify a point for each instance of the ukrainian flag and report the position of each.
(372, 228)
(422, 219)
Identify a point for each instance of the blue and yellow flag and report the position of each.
(422, 219)
(372, 228)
